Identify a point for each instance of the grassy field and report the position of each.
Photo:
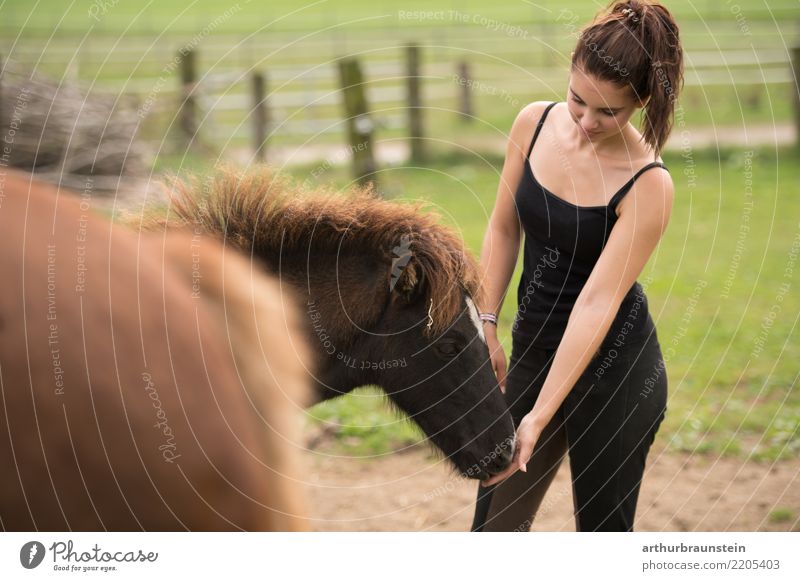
(115, 16)
(722, 288)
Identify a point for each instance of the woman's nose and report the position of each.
(588, 122)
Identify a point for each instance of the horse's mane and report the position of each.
(262, 209)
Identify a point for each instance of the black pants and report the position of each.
(606, 424)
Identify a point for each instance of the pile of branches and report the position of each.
(65, 134)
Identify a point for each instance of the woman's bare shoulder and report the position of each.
(525, 123)
(531, 113)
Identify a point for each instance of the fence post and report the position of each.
(415, 131)
(188, 107)
(795, 87)
(360, 126)
(260, 118)
(465, 94)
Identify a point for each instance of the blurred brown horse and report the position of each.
(146, 382)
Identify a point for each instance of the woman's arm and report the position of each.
(501, 242)
(644, 215)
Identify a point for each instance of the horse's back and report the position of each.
(130, 401)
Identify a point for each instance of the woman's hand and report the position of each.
(496, 354)
(528, 434)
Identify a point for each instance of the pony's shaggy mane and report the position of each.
(264, 210)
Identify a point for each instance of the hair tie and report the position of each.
(630, 12)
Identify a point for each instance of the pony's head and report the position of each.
(390, 301)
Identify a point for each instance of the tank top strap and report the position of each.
(539, 127)
(617, 198)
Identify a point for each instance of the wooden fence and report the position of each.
(398, 89)
(458, 94)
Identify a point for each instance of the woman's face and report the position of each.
(600, 109)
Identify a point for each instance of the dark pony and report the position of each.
(388, 297)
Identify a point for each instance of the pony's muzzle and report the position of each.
(502, 456)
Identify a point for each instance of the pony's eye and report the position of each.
(447, 348)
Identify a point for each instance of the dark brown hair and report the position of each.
(637, 44)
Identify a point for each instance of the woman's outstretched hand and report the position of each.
(528, 434)
(496, 355)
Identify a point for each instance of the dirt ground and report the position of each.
(416, 491)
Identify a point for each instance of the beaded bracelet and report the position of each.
(488, 318)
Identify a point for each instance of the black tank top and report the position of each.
(562, 244)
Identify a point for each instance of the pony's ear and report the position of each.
(406, 277)
(407, 282)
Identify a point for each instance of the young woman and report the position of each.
(590, 193)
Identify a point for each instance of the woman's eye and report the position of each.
(581, 103)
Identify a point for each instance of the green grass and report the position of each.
(364, 424)
(110, 16)
(782, 515)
